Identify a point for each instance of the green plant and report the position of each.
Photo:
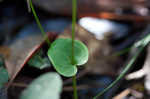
(60, 55)
(39, 61)
(66, 54)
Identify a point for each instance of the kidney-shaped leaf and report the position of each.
(60, 55)
(47, 86)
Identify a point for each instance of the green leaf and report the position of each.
(3, 76)
(47, 86)
(60, 55)
(38, 61)
(1, 61)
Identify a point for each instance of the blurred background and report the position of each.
(107, 27)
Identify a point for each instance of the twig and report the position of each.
(123, 94)
(28, 5)
(79, 87)
(19, 85)
(136, 75)
(113, 16)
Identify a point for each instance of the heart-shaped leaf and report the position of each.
(60, 55)
(47, 86)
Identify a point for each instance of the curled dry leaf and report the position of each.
(21, 51)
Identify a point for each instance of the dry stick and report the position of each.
(28, 5)
(142, 43)
(123, 94)
(16, 84)
(81, 87)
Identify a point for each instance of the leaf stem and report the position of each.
(74, 7)
(74, 14)
(38, 23)
(75, 95)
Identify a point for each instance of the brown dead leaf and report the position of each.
(21, 52)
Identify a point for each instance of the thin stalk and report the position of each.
(74, 7)
(75, 87)
(38, 23)
(74, 15)
(143, 43)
